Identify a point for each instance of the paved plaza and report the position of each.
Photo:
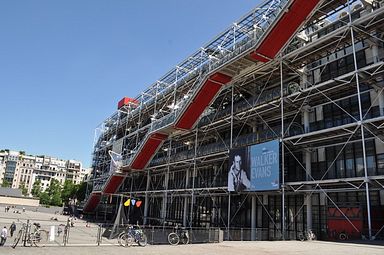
(82, 240)
(225, 248)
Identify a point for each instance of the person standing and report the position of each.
(3, 235)
(12, 228)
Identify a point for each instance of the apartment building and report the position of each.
(19, 169)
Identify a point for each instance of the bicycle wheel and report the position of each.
(127, 240)
(40, 238)
(173, 239)
(142, 239)
(17, 238)
(120, 240)
(184, 238)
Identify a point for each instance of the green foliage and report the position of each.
(24, 189)
(54, 192)
(36, 188)
(44, 198)
(69, 191)
(56, 200)
(6, 184)
(52, 195)
(56, 195)
(81, 190)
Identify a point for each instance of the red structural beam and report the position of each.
(113, 183)
(149, 149)
(287, 25)
(202, 99)
(92, 202)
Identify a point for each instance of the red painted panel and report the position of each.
(207, 92)
(126, 101)
(92, 202)
(113, 184)
(257, 57)
(285, 28)
(220, 78)
(148, 150)
(337, 223)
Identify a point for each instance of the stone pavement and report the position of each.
(225, 248)
(82, 240)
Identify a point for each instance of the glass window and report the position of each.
(350, 168)
(371, 166)
(359, 167)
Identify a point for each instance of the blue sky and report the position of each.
(64, 65)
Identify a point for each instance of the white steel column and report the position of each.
(253, 219)
(185, 212)
(282, 152)
(165, 196)
(375, 52)
(193, 179)
(376, 58)
(361, 127)
(306, 118)
(308, 196)
(147, 198)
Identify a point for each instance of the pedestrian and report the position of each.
(3, 235)
(12, 228)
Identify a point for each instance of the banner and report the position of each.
(254, 168)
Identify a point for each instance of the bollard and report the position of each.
(66, 235)
(99, 235)
(26, 233)
(241, 234)
(52, 234)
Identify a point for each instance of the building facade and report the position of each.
(307, 75)
(19, 170)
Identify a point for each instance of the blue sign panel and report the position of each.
(265, 165)
(254, 168)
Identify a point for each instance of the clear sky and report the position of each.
(64, 64)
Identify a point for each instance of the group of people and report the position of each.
(4, 233)
(6, 209)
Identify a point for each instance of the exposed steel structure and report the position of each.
(305, 72)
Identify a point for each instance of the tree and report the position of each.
(24, 190)
(56, 200)
(36, 188)
(44, 198)
(6, 184)
(54, 193)
(80, 193)
(69, 191)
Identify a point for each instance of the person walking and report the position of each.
(3, 235)
(12, 228)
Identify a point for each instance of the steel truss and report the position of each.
(264, 101)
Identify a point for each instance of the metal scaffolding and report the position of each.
(321, 96)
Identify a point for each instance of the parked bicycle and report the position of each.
(178, 235)
(132, 235)
(307, 235)
(36, 237)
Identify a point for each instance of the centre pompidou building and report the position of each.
(275, 127)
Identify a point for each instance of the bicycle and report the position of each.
(308, 235)
(38, 237)
(132, 235)
(179, 234)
